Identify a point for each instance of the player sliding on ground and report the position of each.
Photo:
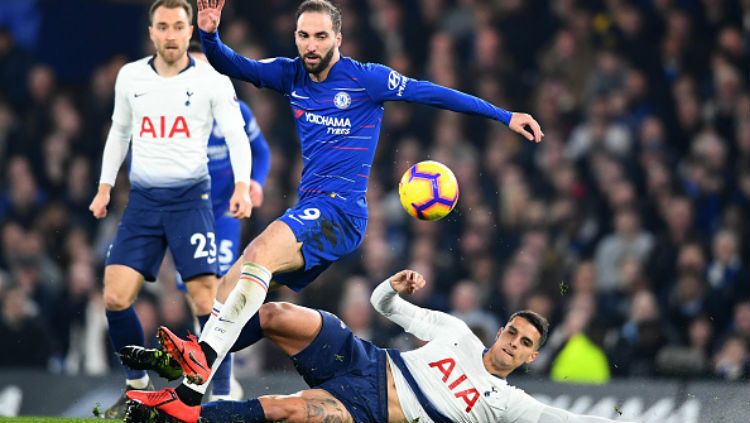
(453, 378)
(337, 104)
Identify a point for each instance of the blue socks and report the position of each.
(202, 320)
(249, 411)
(249, 335)
(125, 329)
(221, 381)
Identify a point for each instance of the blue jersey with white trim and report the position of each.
(220, 166)
(338, 120)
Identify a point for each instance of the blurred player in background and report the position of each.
(337, 104)
(167, 105)
(452, 378)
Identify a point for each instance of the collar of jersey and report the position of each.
(191, 63)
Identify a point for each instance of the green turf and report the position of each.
(41, 419)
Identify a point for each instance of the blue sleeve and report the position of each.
(275, 73)
(384, 84)
(258, 146)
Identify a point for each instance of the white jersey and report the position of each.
(170, 120)
(450, 372)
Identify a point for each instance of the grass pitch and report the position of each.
(42, 419)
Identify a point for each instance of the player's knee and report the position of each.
(115, 301)
(253, 252)
(275, 315)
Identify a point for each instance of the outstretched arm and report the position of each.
(526, 409)
(384, 84)
(271, 73)
(423, 323)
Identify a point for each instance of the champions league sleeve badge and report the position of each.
(342, 100)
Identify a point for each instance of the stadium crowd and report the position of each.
(625, 227)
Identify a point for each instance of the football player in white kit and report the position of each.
(165, 106)
(453, 378)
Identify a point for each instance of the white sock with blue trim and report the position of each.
(245, 300)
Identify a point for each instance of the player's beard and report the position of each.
(322, 64)
(171, 55)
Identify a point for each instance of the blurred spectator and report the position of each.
(628, 240)
(731, 361)
(465, 304)
(577, 357)
(28, 341)
(644, 333)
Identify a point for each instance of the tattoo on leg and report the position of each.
(326, 410)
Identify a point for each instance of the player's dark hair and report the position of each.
(170, 4)
(537, 320)
(321, 6)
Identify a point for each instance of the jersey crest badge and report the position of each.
(342, 100)
(189, 94)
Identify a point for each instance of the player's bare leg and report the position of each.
(202, 291)
(312, 406)
(121, 287)
(276, 246)
(293, 328)
(308, 406)
(276, 249)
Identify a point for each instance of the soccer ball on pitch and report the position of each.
(428, 190)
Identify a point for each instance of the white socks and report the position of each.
(222, 331)
(140, 383)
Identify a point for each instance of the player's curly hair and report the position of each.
(321, 6)
(170, 4)
(537, 320)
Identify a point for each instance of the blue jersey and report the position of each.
(220, 166)
(338, 120)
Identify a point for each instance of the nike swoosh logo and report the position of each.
(295, 95)
(221, 319)
(136, 95)
(190, 354)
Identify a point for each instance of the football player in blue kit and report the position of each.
(227, 228)
(337, 104)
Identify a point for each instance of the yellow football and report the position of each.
(428, 190)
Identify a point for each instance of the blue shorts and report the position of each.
(144, 235)
(327, 233)
(228, 242)
(349, 368)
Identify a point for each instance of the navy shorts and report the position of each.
(144, 235)
(349, 368)
(227, 241)
(327, 233)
